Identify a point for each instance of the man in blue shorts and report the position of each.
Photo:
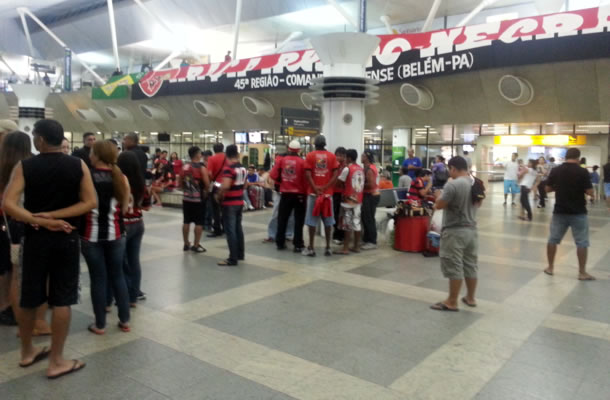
(570, 182)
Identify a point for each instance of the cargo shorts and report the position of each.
(458, 253)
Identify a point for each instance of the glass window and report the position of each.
(551, 128)
(592, 128)
(494, 129)
(466, 134)
(525, 129)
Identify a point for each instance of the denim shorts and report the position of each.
(310, 220)
(580, 228)
(607, 189)
(511, 187)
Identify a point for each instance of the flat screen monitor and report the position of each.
(254, 137)
(241, 138)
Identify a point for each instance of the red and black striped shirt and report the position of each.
(235, 195)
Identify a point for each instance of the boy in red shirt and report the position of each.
(349, 221)
(321, 170)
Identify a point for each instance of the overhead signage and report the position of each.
(540, 140)
(574, 35)
(299, 122)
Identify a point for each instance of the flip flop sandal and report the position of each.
(548, 273)
(75, 367)
(443, 307)
(467, 303)
(198, 249)
(226, 263)
(94, 329)
(123, 327)
(44, 353)
(589, 278)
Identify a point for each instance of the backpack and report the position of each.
(477, 191)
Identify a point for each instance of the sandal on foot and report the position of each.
(548, 272)
(186, 247)
(198, 249)
(44, 353)
(226, 263)
(586, 278)
(467, 303)
(94, 329)
(443, 307)
(75, 367)
(124, 327)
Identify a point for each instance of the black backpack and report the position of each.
(477, 191)
(441, 175)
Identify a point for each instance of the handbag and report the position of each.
(15, 247)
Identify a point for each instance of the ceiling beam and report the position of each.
(473, 13)
(431, 15)
(343, 13)
(236, 27)
(26, 30)
(61, 43)
(115, 46)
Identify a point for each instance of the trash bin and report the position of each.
(410, 234)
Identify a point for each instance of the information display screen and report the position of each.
(241, 138)
(254, 137)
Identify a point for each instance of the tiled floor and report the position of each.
(284, 326)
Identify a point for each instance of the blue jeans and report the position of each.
(231, 219)
(131, 264)
(105, 262)
(580, 229)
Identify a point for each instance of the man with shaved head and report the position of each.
(130, 143)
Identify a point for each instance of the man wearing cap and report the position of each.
(290, 169)
(321, 170)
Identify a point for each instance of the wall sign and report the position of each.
(540, 140)
(574, 35)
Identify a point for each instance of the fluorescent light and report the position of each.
(379, 127)
(426, 126)
(154, 133)
(187, 133)
(96, 58)
(592, 126)
(324, 16)
(550, 123)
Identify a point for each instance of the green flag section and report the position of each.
(117, 87)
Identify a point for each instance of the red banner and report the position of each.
(429, 44)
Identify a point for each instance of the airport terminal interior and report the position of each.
(226, 107)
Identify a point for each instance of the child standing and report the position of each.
(595, 181)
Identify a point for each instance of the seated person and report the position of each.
(385, 183)
(254, 194)
(421, 187)
(165, 183)
(267, 184)
(405, 180)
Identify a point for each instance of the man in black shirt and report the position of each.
(570, 182)
(83, 154)
(607, 182)
(57, 190)
(130, 143)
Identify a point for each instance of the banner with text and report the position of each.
(574, 35)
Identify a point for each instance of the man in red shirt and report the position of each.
(231, 196)
(216, 164)
(321, 170)
(290, 169)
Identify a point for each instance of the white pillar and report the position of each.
(344, 57)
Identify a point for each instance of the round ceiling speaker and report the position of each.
(119, 113)
(89, 115)
(307, 100)
(209, 109)
(417, 96)
(258, 106)
(154, 112)
(516, 90)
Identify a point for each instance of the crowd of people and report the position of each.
(56, 206)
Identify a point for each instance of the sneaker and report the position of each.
(141, 296)
(7, 317)
(251, 208)
(308, 252)
(369, 246)
(298, 250)
(186, 247)
(328, 252)
(337, 242)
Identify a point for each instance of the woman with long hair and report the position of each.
(102, 236)
(15, 147)
(176, 163)
(139, 200)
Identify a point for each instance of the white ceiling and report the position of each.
(207, 25)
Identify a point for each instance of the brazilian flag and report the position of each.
(117, 87)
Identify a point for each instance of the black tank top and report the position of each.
(52, 182)
(105, 222)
